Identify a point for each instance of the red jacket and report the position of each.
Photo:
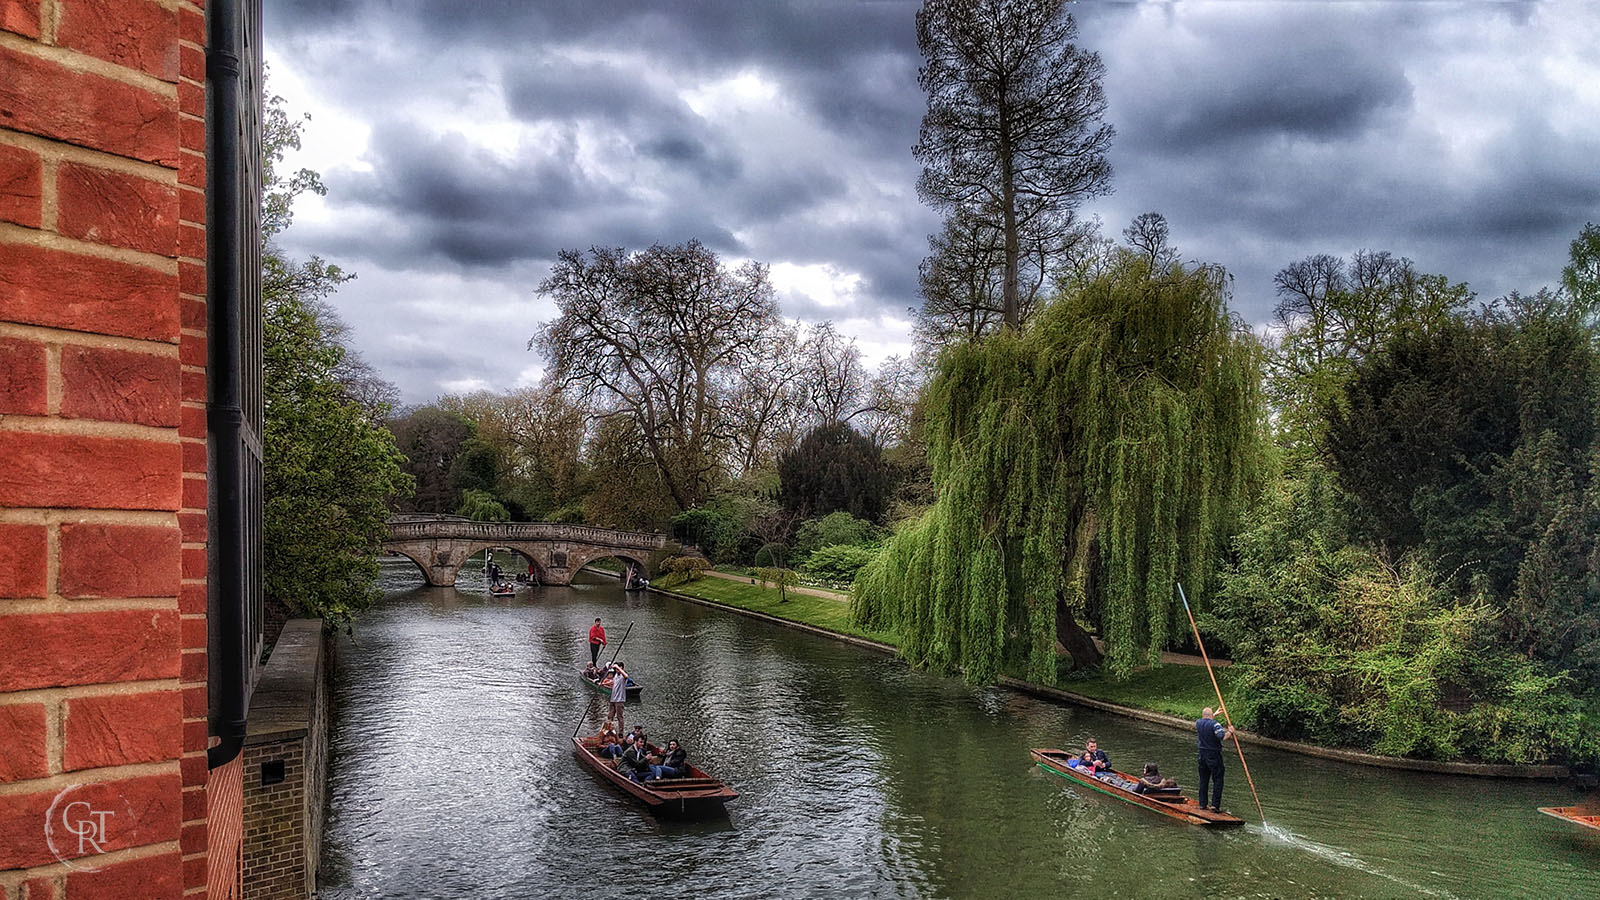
(597, 635)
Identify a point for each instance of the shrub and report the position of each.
(481, 506)
(772, 555)
(834, 528)
(779, 578)
(837, 564)
(682, 569)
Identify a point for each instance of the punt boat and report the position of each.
(696, 795)
(1170, 802)
(1577, 815)
(634, 687)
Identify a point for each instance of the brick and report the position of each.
(193, 839)
(192, 170)
(75, 471)
(194, 770)
(196, 704)
(144, 810)
(193, 667)
(194, 497)
(22, 560)
(192, 599)
(192, 350)
(194, 872)
(193, 309)
(158, 877)
(60, 289)
(194, 803)
(194, 562)
(21, 182)
(192, 420)
(115, 208)
(192, 100)
(22, 377)
(40, 97)
(192, 241)
(23, 752)
(54, 649)
(20, 17)
(192, 634)
(192, 387)
(138, 35)
(119, 561)
(192, 525)
(120, 729)
(38, 889)
(192, 208)
(194, 461)
(119, 386)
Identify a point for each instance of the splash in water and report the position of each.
(1345, 858)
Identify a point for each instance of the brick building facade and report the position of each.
(108, 514)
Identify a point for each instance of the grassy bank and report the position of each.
(819, 611)
(1175, 690)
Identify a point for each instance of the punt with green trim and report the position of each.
(1169, 802)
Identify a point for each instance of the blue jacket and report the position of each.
(1210, 733)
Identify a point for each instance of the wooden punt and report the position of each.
(695, 795)
(633, 689)
(503, 589)
(1173, 805)
(1577, 815)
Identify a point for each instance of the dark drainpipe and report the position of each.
(224, 416)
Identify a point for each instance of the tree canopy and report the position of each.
(835, 467)
(1012, 140)
(1082, 466)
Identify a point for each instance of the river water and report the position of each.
(453, 777)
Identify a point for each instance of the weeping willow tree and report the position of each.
(1083, 466)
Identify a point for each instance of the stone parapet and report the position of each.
(285, 767)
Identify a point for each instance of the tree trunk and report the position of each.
(1012, 315)
(1077, 642)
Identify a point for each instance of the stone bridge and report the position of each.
(440, 544)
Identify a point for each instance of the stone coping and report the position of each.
(281, 706)
(1480, 770)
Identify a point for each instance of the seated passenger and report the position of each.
(674, 763)
(591, 673)
(608, 739)
(635, 761)
(1093, 758)
(1152, 780)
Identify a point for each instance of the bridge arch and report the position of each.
(440, 545)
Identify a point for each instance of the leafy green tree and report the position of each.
(1476, 445)
(330, 471)
(1333, 645)
(1581, 277)
(1083, 467)
(476, 467)
(1012, 140)
(1331, 314)
(431, 438)
(780, 578)
(480, 506)
(834, 467)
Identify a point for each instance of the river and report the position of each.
(453, 777)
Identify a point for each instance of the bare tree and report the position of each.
(1012, 136)
(1147, 236)
(891, 397)
(834, 380)
(767, 412)
(659, 337)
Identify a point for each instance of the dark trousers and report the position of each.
(1211, 779)
(594, 654)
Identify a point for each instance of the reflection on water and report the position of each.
(858, 777)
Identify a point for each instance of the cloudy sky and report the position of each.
(465, 143)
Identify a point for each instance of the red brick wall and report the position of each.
(102, 447)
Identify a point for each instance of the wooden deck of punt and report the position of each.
(1175, 806)
(699, 794)
(1577, 815)
(633, 689)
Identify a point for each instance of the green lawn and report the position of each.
(822, 612)
(1172, 689)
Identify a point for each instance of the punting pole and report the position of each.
(621, 642)
(1221, 704)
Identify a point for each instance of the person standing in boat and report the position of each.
(619, 693)
(597, 639)
(1211, 734)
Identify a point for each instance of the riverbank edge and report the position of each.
(1355, 757)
